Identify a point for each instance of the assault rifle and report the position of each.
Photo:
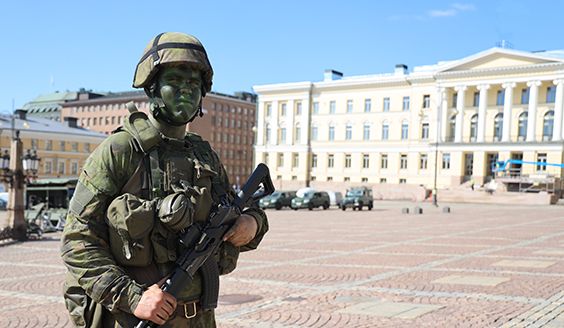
(203, 241)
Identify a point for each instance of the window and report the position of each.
(347, 161)
(404, 131)
(213, 120)
(232, 123)
(426, 101)
(541, 159)
(314, 133)
(331, 133)
(473, 127)
(425, 131)
(75, 146)
(296, 161)
(498, 126)
(551, 94)
(314, 160)
(313, 178)
(329, 178)
(86, 147)
(446, 161)
(476, 99)
(283, 110)
(297, 135)
(280, 160)
(386, 107)
(522, 131)
(34, 144)
(525, 96)
(454, 100)
(238, 124)
(61, 146)
(231, 154)
(403, 161)
(366, 132)
(61, 169)
(349, 106)
(330, 160)
(299, 109)
(367, 105)
(268, 109)
(423, 162)
(405, 103)
(500, 97)
(74, 168)
(48, 167)
(283, 135)
(403, 181)
(548, 125)
(265, 158)
(218, 137)
(316, 107)
(385, 132)
(332, 107)
(364, 180)
(365, 161)
(48, 144)
(384, 161)
(232, 138)
(348, 132)
(382, 180)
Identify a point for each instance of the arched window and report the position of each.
(523, 119)
(297, 132)
(451, 128)
(266, 133)
(331, 131)
(473, 127)
(548, 125)
(348, 131)
(498, 126)
(366, 131)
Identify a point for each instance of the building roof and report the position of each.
(43, 125)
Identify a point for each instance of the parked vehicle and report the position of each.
(312, 199)
(336, 197)
(357, 198)
(278, 199)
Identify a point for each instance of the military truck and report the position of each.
(278, 199)
(357, 198)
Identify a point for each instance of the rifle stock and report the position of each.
(204, 241)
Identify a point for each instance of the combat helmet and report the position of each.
(170, 49)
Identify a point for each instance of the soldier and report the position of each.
(142, 186)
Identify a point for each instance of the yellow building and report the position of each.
(62, 146)
(390, 130)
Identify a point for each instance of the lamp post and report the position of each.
(17, 169)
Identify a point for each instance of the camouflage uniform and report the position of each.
(85, 243)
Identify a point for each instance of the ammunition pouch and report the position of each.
(130, 220)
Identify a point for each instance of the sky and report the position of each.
(57, 45)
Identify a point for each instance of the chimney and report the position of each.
(20, 113)
(401, 69)
(331, 75)
(71, 121)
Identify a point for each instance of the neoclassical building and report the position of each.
(437, 125)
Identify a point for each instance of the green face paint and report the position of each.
(180, 88)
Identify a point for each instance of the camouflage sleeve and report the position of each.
(85, 241)
(257, 213)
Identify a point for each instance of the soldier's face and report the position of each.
(181, 91)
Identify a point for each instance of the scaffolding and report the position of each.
(504, 171)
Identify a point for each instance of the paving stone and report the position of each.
(524, 264)
(472, 280)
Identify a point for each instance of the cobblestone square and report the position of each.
(477, 266)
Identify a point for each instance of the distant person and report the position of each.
(472, 183)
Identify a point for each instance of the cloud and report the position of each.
(454, 10)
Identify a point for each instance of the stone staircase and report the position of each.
(480, 195)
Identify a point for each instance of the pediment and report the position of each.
(498, 59)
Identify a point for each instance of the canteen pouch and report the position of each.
(131, 219)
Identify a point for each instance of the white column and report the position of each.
(440, 96)
(290, 112)
(483, 88)
(557, 132)
(260, 127)
(533, 102)
(274, 123)
(444, 115)
(460, 100)
(507, 109)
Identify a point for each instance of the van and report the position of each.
(335, 197)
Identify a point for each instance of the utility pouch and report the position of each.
(131, 219)
(203, 200)
(83, 311)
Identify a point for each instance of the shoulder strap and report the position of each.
(138, 125)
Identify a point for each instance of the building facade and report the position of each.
(439, 125)
(62, 146)
(227, 123)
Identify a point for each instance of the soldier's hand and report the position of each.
(243, 231)
(155, 305)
